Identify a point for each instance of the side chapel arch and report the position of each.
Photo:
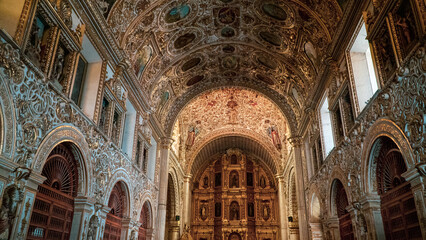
(7, 120)
(119, 204)
(382, 128)
(79, 147)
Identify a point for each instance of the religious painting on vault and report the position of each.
(184, 40)
(177, 13)
(142, 58)
(274, 11)
(193, 131)
(226, 15)
(273, 133)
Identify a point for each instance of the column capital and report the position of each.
(280, 177)
(166, 142)
(295, 141)
(187, 177)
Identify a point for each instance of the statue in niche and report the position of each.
(33, 50)
(59, 67)
(205, 182)
(266, 212)
(203, 212)
(273, 133)
(133, 235)
(262, 182)
(234, 211)
(11, 198)
(250, 209)
(93, 227)
(233, 179)
(192, 134)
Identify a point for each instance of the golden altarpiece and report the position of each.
(235, 198)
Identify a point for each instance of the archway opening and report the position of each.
(293, 217)
(171, 222)
(315, 218)
(145, 229)
(54, 204)
(234, 192)
(398, 207)
(341, 203)
(117, 203)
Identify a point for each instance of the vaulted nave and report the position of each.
(212, 120)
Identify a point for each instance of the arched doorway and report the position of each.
(341, 202)
(146, 222)
(398, 208)
(54, 204)
(315, 218)
(234, 236)
(117, 203)
(171, 223)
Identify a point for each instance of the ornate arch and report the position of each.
(339, 175)
(147, 206)
(275, 165)
(314, 193)
(292, 195)
(80, 149)
(121, 176)
(278, 99)
(174, 180)
(382, 128)
(7, 115)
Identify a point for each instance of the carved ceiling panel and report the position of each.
(279, 43)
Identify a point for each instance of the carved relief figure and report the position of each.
(205, 182)
(203, 212)
(266, 211)
(11, 198)
(262, 182)
(232, 111)
(93, 227)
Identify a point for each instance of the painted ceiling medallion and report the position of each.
(228, 49)
(194, 80)
(274, 11)
(177, 13)
(226, 15)
(271, 38)
(229, 62)
(227, 32)
(190, 64)
(267, 62)
(264, 79)
(184, 40)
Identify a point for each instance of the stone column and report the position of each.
(83, 209)
(370, 207)
(126, 228)
(282, 206)
(296, 142)
(187, 191)
(27, 185)
(104, 210)
(416, 177)
(166, 144)
(333, 229)
(174, 230)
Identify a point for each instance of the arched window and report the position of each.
(341, 202)
(54, 204)
(117, 203)
(399, 212)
